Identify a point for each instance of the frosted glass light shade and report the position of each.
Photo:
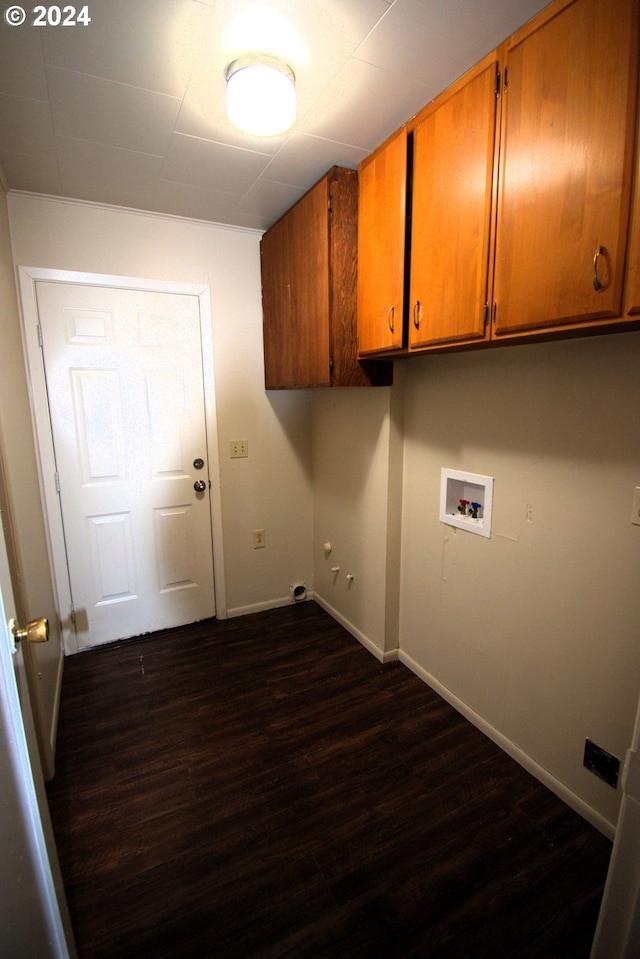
(261, 95)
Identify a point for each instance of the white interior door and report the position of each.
(618, 931)
(124, 380)
(34, 920)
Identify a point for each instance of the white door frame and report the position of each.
(27, 278)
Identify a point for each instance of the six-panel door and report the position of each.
(125, 387)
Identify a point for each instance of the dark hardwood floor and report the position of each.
(263, 788)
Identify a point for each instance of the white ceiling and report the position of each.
(129, 110)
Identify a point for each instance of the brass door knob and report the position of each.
(37, 631)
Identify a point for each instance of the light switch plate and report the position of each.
(635, 512)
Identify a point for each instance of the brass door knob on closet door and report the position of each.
(36, 631)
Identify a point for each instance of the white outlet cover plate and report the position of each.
(238, 449)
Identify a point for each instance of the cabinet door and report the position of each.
(276, 303)
(381, 245)
(451, 213)
(295, 295)
(565, 166)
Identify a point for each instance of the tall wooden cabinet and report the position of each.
(309, 268)
(518, 192)
(568, 130)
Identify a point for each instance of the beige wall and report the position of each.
(535, 631)
(353, 502)
(272, 488)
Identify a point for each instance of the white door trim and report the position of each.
(27, 278)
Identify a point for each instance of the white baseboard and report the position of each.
(566, 795)
(356, 633)
(258, 607)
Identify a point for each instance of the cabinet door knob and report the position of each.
(417, 312)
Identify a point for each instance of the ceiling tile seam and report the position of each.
(165, 96)
(261, 178)
(374, 27)
(110, 146)
(314, 136)
(163, 178)
(401, 74)
(221, 143)
(120, 83)
(204, 189)
(26, 153)
(56, 157)
(198, 58)
(14, 96)
(339, 68)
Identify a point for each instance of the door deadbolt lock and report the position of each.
(36, 631)
(198, 463)
(199, 486)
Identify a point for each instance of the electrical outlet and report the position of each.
(635, 511)
(259, 540)
(597, 760)
(238, 449)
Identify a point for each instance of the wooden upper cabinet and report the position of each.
(295, 296)
(453, 160)
(568, 128)
(309, 268)
(381, 247)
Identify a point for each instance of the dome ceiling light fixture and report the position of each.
(261, 95)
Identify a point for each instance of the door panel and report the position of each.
(126, 398)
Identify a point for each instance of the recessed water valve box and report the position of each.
(466, 501)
